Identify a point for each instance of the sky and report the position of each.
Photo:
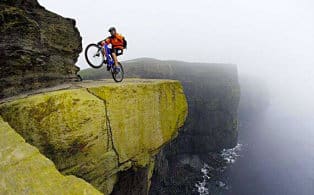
(270, 39)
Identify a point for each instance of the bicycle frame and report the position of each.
(109, 59)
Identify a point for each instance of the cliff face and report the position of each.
(106, 134)
(213, 94)
(24, 170)
(37, 48)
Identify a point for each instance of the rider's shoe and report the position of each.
(105, 61)
(116, 70)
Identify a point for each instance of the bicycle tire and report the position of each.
(100, 57)
(121, 72)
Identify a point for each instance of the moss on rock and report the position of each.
(98, 130)
(24, 170)
(143, 116)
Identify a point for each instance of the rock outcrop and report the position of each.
(213, 94)
(38, 48)
(107, 134)
(24, 170)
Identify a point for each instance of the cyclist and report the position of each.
(117, 42)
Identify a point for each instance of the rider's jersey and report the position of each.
(117, 41)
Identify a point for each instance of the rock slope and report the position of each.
(38, 48)
(102, 133)
(24, 170)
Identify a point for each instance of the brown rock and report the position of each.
(38, 48)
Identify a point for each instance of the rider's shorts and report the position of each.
(116, 51)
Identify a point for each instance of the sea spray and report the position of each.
(211, 172)
(230, 155)
(201, 185)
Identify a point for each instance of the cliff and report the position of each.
(106, 134)
(38, 48)
(213, 94)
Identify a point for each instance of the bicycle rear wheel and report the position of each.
(94, 55)
(118, 74)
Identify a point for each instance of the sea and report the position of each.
(275, 156)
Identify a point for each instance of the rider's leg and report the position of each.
(115, 59)
(103, 50)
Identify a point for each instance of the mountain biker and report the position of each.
(117, 42)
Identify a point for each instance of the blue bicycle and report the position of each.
(94, 57)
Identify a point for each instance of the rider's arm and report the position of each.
(105, 41)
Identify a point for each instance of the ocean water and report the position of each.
(212, 181)
(276, 157)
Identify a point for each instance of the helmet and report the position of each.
(112, 29)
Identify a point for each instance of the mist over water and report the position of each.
(278, 159)
(278, 156)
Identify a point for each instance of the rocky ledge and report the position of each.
(107, 134)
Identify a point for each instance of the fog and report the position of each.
(271, 39)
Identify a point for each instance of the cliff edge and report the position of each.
(107, 134)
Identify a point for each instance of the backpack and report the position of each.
(125, 43)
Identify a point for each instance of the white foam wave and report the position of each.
(201, 185)
(230, 155)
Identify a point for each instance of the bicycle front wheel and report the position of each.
(118, 73)
(94, 55)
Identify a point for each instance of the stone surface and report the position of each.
(24, 170)
(101, 132)
(213, 94)
(38, 48)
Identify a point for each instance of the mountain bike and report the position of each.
(95, 58)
